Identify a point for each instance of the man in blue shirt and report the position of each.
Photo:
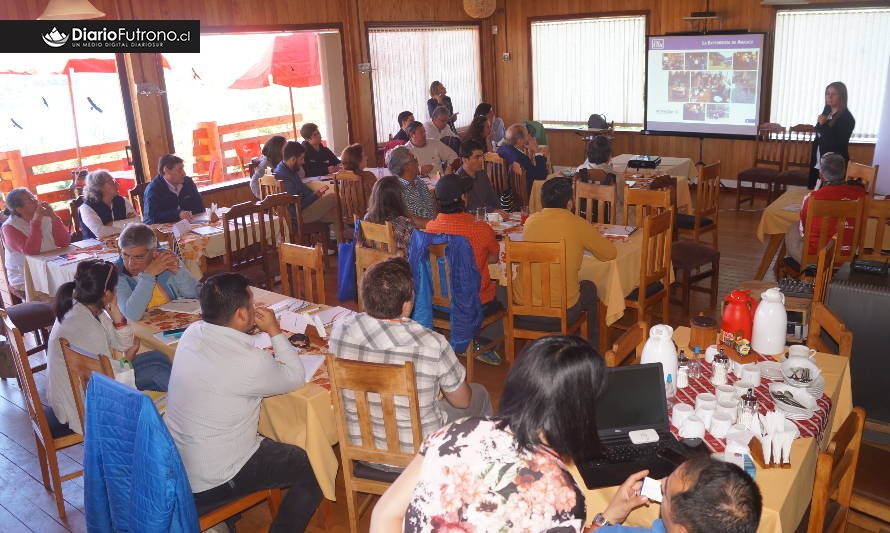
(517, 143)
(315, 205)
(171, 196)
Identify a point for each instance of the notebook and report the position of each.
(633, 399)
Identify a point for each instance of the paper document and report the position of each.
(792, 207)
(262, 340)
(184, 305)
(87, 243)
(207, 230)
(166, 339)
(293, 322)
(616, 231)
(332, 314)
(311, 364)
(181, 228)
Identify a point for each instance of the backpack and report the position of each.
(597, 122)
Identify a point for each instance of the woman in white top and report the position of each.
(31, 227)
(87, 315)
(104, 212)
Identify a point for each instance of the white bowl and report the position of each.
(792, 363)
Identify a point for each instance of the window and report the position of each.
(406, 60)
(586, 66)
(817, 47)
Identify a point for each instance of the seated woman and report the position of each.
(354, 160)
(88, 316)
(102, 206)
(497, 123)
(269, 160)
(149, 277)
(479, 130)
(387, 205)
(547, 418)
(31, 227)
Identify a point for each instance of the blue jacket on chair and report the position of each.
(134, 479)
(466, 308)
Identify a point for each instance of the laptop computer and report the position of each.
(634, 399)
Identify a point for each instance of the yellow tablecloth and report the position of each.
(304, 417)
(786, 493)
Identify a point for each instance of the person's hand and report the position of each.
(266, 321)
(164, 260)
(516, 167)
(44, 210)
(130, 352)
(627, 498)
(504, 215)
(822, 119)
(426, 169)
(333, 169)
(185, 215)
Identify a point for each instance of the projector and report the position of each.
(644, 161)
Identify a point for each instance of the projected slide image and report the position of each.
(718, 111)
(744, 87)
(696, 60)
(719, 61)
(709, 87)
(744, 60)
(672, 61)
(678, 87)
(693, 112)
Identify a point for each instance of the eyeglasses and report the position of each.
(135, 258)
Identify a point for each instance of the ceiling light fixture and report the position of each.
(70, 10)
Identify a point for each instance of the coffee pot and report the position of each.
(738, 314)
(770, 323)
(660, 348)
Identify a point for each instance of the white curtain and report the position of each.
(406, 60)
(586, 66)
(816, 47)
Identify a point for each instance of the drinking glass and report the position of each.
(523, 214)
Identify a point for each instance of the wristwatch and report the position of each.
(600, 520)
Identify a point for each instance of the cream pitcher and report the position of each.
(770, 323)
(660, 348)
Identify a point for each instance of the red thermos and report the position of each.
(738, 314)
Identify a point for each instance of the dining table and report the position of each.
(303, 417)
(786, 492)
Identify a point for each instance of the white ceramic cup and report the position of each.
(741, 387)
(751, 374)
(693, 428)
(705, 398)
(728, 408)
(737, 441)
(680, 413)
(720, 424)
(799, 350)
(710, 352)
(493, 218)
(725, 393)
(706, 413)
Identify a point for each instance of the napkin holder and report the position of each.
(756, 452)
(214, 218)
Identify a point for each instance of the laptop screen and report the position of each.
(633, 399)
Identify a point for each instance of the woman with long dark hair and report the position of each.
(87, 315)
(833, 128)
(498, 130)
(479, 130)
(508, 471)
(386, 205)
(269, 160)
(354, 160)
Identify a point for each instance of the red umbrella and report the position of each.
(291, 61)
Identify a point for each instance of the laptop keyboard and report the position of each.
(626, 452)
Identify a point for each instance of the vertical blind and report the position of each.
(586, 66)
(406, 60)
(816, 47)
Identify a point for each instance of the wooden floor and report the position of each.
(26, 506)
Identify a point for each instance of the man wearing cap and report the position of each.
(453, 219)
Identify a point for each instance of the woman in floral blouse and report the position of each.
(507, 472)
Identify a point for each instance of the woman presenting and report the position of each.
(833, 128)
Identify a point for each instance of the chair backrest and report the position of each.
(385, 383)
(520, 189)
(269, 185)
(441, 275)
(136, 196)
(298, 266)
(351, 202)
(81, 366)
(242, 232)
(823, 320)
(379, 236)
(496, 170)
(278, 223)
(536, 264)
(707, 193)
(246, 151)
(798, 147)
(644, 202)
(825, 269)
(630, 343)
(655, 259)
(867, 174)
(879, 211)
(827, 217)
(595, 203)
(76, 225)
(835, 473)
(364, 258)
(769, 145)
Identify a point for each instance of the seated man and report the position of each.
(384, 333)
(415, 191)
(832, 169)
(556, 221)
(320, 160)
(149, 277)
(316, 205)
(703, 495)
(219, 379)
(405, 118)
(480, 193)
(437, 127)
(431, 155)
(516, 144)
(171, 196)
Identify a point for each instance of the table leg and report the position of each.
(775, 241)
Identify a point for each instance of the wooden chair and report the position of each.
(76, 224)
(841, 216)
(351, 202)
(81, 366)
(269, 185)
(796, 159)
(277, 227)
(707, 206)
(823, 320)
(496, 171)
(595, 203)
(364, 258)
(655, 265)
(50, 435)
(868, 175)
(835, 471)
(379, 236)
(879, 211)
(768, 153)
(243, 235)
(37, 318)
(695, 262)
(441, 282)
(387, 382)
(825, 269)
(629, 347)
(298, 264)
(542, 265)
(137, 194)
(644, 202)
(520, 189)
(870, 485)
